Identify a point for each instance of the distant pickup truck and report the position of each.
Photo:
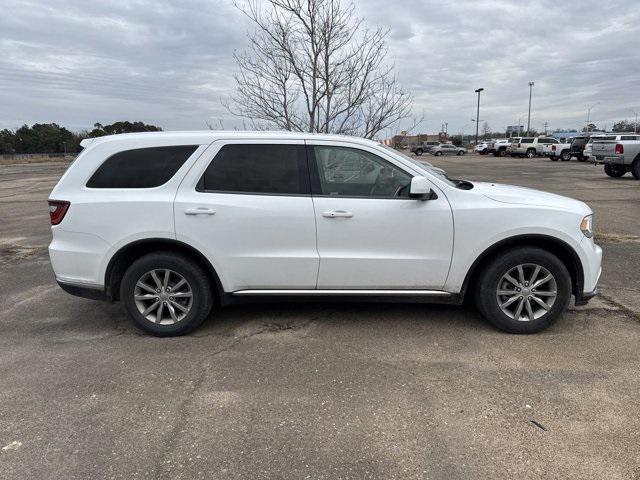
(619, 156)
(557, 151)
(498, 147)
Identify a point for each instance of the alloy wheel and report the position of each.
(163, 296)
(526, 292)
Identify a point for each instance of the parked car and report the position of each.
(557, 151)
(498, 147)
(171, 223)
(618, 156)
(447, 149)
(577, 147)
(530, 146)
(424, 147)
(482, 148)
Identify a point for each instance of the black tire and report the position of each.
(553, 158)
(502, 152)
(565, 156)
(490, 279)
(460, 153)
(531, 153)
(635, 169)
(419, 152)
(437, 154)
(194, 274)
(615, 171)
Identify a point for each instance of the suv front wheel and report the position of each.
(524, 290)
(166, 294)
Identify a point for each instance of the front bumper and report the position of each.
(591, 258)
(584, 297)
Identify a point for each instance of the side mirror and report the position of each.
(420, 189)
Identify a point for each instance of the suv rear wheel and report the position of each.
(166, 294)
(565, 156)
(531, 153)
(418, 151)
(524, 290)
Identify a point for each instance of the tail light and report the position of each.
(519, 144)
(553, 148)
(619, 149)
(57, 210)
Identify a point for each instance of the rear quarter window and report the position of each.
(141, 167)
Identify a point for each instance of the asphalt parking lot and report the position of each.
(321, 391)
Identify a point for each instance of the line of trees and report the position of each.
(52, 138)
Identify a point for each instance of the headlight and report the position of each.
(586, 225)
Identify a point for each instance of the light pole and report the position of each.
(478, 113)
(529, 116)
(635, 124)
(586, 127)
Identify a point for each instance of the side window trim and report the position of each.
(199, 185)
(316, 187)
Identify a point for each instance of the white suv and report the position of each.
(172, 223)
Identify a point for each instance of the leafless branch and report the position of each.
(311, 65)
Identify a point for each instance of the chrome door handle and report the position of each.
(337, 213)
(199, 211)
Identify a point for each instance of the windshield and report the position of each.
(426, 166)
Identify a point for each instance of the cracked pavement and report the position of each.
(320, 390)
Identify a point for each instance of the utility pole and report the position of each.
(478, 113)
(586, 129)
(529, 117)
(546, 124)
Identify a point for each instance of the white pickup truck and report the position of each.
(498, 147)
(557, 151)
(618, 156)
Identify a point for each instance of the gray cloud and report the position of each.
(170, 63)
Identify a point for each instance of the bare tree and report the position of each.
(312, 66)
(486, 130)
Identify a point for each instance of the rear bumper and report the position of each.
(92, 293)
(606, 160)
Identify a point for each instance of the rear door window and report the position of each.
(258, 168)
(141, 167)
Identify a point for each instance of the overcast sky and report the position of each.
(77, 62)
